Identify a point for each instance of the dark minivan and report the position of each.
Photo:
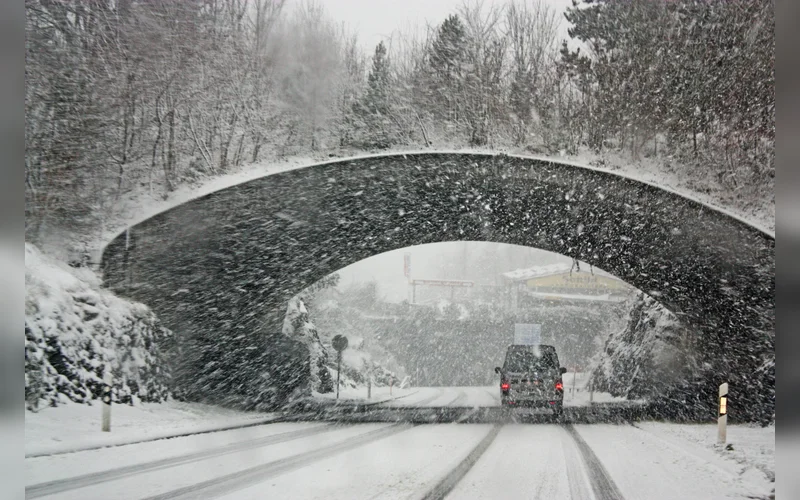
(531, 376)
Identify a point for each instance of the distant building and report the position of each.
(562, 283)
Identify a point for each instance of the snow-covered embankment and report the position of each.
(75, 331)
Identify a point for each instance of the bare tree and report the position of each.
(531, 29)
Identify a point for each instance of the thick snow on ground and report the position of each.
(359, 394)
(166, 479)
(470, 397)
(320, 460)
(446, 396)
(405, 465)
(526, 461)
(56, 467)
(654, 465)
(73, 426)
(753, 446)
(576, 393)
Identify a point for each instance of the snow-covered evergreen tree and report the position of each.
(378, 129)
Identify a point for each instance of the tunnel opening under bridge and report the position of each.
(230, 261)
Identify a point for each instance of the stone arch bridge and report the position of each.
(224, 265)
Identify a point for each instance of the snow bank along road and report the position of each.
(462, 405)
(304, 460)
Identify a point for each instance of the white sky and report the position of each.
(375, 20)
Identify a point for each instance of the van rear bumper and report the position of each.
(531, 403)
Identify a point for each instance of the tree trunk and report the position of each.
(206, 156)
(256, 146)
(225, 146)
(239, 151)
(655, 144)
(170, 166)
(155, 152)
(422, 128)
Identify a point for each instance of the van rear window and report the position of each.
(523, 360)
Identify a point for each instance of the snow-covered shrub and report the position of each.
(298, 326)
(76, 331)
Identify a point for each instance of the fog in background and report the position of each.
(481, 262)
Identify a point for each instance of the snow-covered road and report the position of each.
(575, 394)
(306, 460)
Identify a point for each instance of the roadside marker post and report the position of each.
(722, 414)
(106, 404)
(338, 371)
(574, 369)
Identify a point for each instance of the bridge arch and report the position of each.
(230, 260)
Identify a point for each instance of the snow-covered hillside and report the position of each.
(76, 332)
(644, 356)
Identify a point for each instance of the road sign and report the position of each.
(527, 333)
(339, 343)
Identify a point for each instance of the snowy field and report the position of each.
(72, 426)
(365, 461)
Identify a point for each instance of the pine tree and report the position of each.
(374, 108)
(446, 62)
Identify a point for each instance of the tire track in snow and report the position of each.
(391, 399)
(446, 485)
(423, 402)
(72, 483)
(603, 486)
(495, 397)
(238, 480)
(274, 420)
(460, 397)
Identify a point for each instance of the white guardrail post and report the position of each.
(722, 415)
(106, 404)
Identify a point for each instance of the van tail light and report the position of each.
(504, 386)
(559, 386)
